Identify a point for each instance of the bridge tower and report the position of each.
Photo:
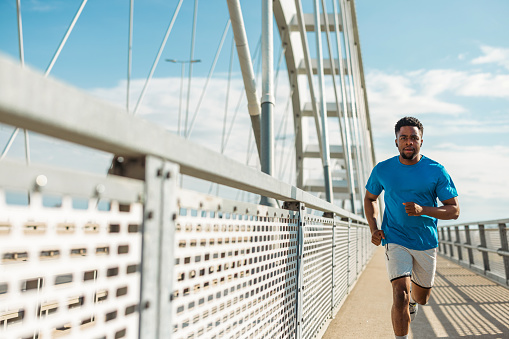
(136, 254)
(333, 138)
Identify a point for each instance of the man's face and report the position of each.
(409, 141)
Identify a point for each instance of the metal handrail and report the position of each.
(479, 248)
(28, 99)
(488, 264)
(486, 222)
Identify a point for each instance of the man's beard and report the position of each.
(411, 156)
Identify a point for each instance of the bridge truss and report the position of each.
(135, 254)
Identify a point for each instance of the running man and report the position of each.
(412, 183)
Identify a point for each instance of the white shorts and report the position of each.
(402, 262)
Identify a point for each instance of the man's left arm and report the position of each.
(450, 209)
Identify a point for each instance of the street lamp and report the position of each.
(182, 62)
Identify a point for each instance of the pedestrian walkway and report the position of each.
(462, 305)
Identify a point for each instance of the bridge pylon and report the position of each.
(333, 137)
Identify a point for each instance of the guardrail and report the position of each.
(481, 246)
(134, 255)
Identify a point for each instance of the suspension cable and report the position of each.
(241, 97)
(276, 82)
(66, 36)
(353, 101)
(223, 146)
(129, 53)
(283, 120)
(225, 116)
(283, 126)
(20, 34)
(46, 73)
(346, 150)
(249, 142)
(9, 142)
(344, 123)
(22, 60)
(288, 158)
(237, 108)
(191, 57)
(280, 61)
(156, 60)
(188, 133)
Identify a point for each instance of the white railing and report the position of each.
(481, 246)
(133, 255)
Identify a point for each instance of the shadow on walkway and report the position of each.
(462, 305)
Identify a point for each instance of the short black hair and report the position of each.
(408, 121)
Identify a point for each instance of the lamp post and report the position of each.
(182, 62)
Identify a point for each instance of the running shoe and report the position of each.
(413, 307)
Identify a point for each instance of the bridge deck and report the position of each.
(462, 305)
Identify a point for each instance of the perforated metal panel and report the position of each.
(353, 241)
(235, 270)
(68, 266)
(317, 272)
(211, 268)
(341, 267)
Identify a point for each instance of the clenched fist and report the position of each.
(413, 209)
(377, 236)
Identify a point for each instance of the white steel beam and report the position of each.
(309, 68)
(246, 66)
(293, 53)
(309, 23)
(327, 66)
(344, 125)
(362, 80)
(353, 97)
(323, 109)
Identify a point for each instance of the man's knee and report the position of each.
(421, 299)
(420, 294)
(401, 294)
(401, 298)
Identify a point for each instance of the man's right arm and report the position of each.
(371, 212)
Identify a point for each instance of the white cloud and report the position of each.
(481, 173)
(468, 126)
(408, 93)
(392, 96)
(420, 92)
(481, 176)
(56, 153)
(485, 85)
(437, 81)
(496, 55)
(478, 171)
(161, 106)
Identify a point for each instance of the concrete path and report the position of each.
(462, 305)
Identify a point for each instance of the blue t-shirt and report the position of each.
(421, 183)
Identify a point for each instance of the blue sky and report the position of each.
(446, 62)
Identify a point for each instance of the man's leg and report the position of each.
(420, 294)
(423, 275)
(400, 299)
(399, 263)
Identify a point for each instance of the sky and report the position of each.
(445, 62)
